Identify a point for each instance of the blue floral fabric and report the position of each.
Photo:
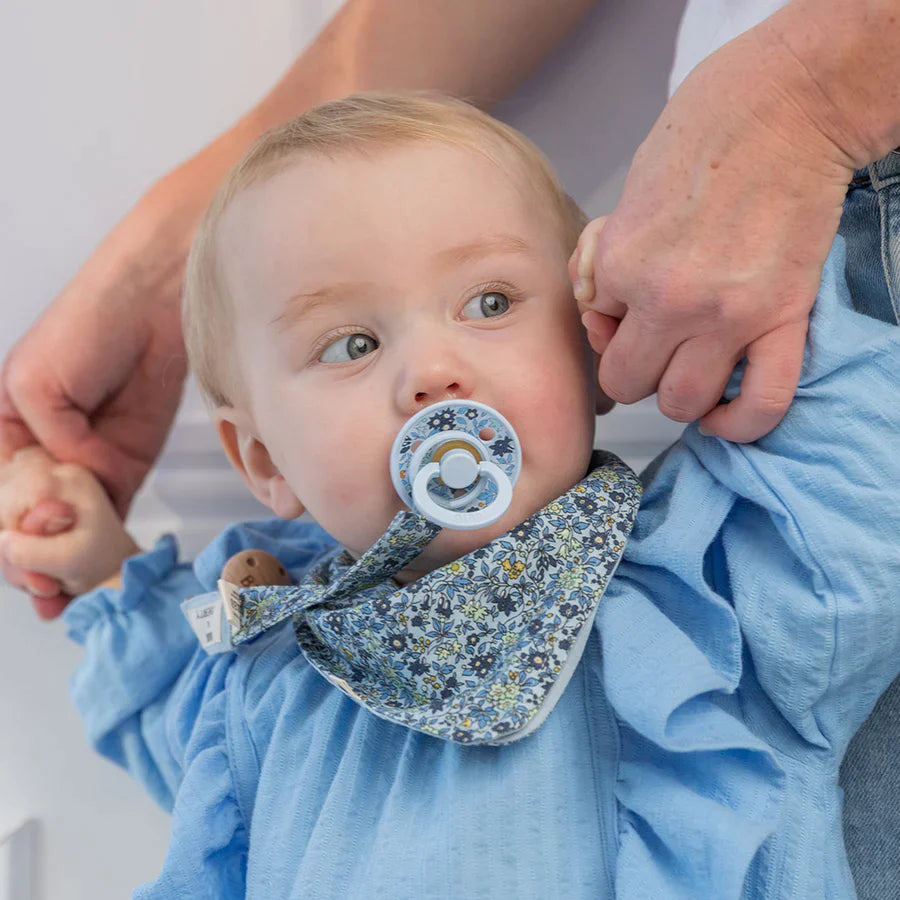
(478, 650)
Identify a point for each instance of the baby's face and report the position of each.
(366, 288)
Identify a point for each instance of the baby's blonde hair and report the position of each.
(355, 124)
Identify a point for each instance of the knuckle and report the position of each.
(685, 395)
(772, 403)
(13, 555)
(12, 575)
(680, 407)
(18, 378)
(40, 486)
(30, 455)
(614, 264)
(619, 393)
(69, 472)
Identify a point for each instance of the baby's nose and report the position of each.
(440, 389)
(432, 378)
(447, 392)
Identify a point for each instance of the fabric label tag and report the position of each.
(204, 614)
(231, 600)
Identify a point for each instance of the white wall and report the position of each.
(99, 98)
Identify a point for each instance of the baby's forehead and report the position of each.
(343, 211)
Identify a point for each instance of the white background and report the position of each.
(98, 99)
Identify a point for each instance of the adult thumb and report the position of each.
(47, 517)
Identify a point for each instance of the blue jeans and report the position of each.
(870, 774)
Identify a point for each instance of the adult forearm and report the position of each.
(469, 48)
(846, 55)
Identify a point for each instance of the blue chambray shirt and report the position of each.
(746, 635)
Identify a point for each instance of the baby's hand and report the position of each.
(80, 558)
(600, 327)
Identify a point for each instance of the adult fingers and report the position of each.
(56, 422)
(14, 433)
(770, 381)
(696, 377)
(62, 428)
(634, 361)
(600, 329)
(50, 607)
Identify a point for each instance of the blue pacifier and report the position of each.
(456, 463)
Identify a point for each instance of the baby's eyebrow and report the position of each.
(301, 305)
(481, 247)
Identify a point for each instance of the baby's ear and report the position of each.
(249, 456)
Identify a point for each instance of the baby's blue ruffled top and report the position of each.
(746, 635)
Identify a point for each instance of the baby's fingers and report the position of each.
(581, 263)
(24, 481)
(46, 597)
(47, 517)
(35, 553)
(33, 582)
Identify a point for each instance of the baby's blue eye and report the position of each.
(351, 346)
(484, 306)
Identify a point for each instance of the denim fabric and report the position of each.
(870, 225)
(870, 775)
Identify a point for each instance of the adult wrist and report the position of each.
(845, 70)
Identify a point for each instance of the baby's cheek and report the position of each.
(357, 505)
(560, 432)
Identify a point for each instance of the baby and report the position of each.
(378, 255)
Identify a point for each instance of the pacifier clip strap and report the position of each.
(236, 614)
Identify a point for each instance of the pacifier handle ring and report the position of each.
(467, 521)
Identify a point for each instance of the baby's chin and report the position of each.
(451, 544)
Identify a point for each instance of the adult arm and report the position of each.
(716, 248)
(98, 378)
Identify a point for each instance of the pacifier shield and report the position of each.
(460, 437)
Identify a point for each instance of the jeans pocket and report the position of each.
(889, 205)
(864, 269)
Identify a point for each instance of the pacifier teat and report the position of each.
(455, 463)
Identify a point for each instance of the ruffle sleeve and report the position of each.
(698, 791)
(752, 623)
(137, 642)
(207, 856)
(817, 601)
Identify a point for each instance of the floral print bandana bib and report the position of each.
(477, 651)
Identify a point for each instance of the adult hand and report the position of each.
(98, 377)
(715, 250)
